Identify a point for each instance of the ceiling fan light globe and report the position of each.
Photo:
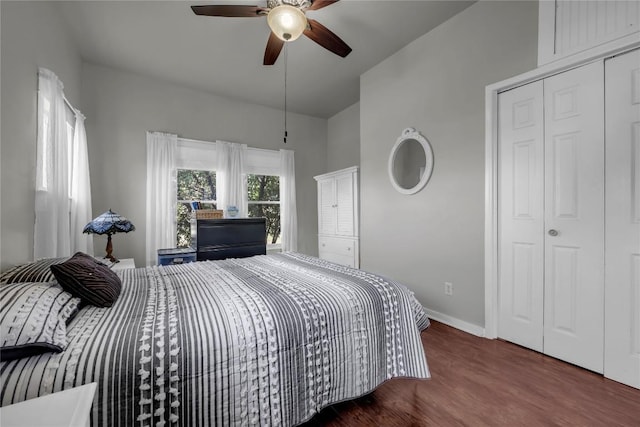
(287, 22)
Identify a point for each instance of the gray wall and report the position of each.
(32, 36)
(343, 139)
(436, 84)
(121, 106)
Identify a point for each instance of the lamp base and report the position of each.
(109, 250)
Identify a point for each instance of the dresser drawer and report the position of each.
(339, 250)
(336, 245)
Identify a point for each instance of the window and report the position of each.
(263, 192)
(200, 186)
(63, 194)
(70, 119)
(198, 180)
(193, 186)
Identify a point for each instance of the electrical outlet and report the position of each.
(448, 288)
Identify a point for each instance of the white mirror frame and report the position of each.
(408, 134)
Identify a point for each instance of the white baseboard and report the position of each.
(455, 323)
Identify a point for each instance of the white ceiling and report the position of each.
(165, 39)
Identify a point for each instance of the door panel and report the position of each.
(344, 205)
(574, 216)
(565, 151)
(521, 215)
(563, 289)
(327, 214)
(622, 241)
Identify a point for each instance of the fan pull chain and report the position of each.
(285, 93)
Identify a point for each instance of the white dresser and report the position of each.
(338, 231)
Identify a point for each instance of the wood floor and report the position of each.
(481, 382)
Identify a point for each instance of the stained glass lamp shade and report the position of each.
(109, 223)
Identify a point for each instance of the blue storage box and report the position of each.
(173, 256)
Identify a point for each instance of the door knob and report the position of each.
(553, 232)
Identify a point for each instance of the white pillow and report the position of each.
(33, 319)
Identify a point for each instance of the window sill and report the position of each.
(272, 249)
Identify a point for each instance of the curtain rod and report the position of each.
(195, 140)
(213, 142)
(66, 101)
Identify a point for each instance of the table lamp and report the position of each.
(109, 223)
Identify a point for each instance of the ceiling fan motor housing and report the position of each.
(287, 21)
(302, 4)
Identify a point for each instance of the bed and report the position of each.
(266, 340)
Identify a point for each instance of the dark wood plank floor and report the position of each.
(480, 382)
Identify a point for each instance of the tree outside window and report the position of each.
(200, 186)
(264, 201)
(193, 186)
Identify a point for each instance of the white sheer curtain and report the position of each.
(230, 177)
(80, 189)
(161, 193)
(289, 211)
(51, 236)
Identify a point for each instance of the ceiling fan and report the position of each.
(287, 21)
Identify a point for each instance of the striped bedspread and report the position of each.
(268, 340)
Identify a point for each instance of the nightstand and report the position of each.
(66, 408)
(123, 264)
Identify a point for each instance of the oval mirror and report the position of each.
(410, 162)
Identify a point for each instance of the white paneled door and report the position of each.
(327, 207)
(551, 216)
(622, 239)
(345, 212)
(521, 215)
(574, 216)
(336, 205)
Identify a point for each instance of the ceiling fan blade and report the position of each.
(230, 10)
(319, 4)
(274, 46)
(326, 38)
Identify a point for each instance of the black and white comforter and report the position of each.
(268, 340)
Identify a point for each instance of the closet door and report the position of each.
(551, 216)
(574, 216)
(622, 241)
(521, 215)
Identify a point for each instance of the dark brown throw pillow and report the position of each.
(88, 279)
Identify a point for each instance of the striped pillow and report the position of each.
(33, 318)
(36, 271)
(88, 279)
